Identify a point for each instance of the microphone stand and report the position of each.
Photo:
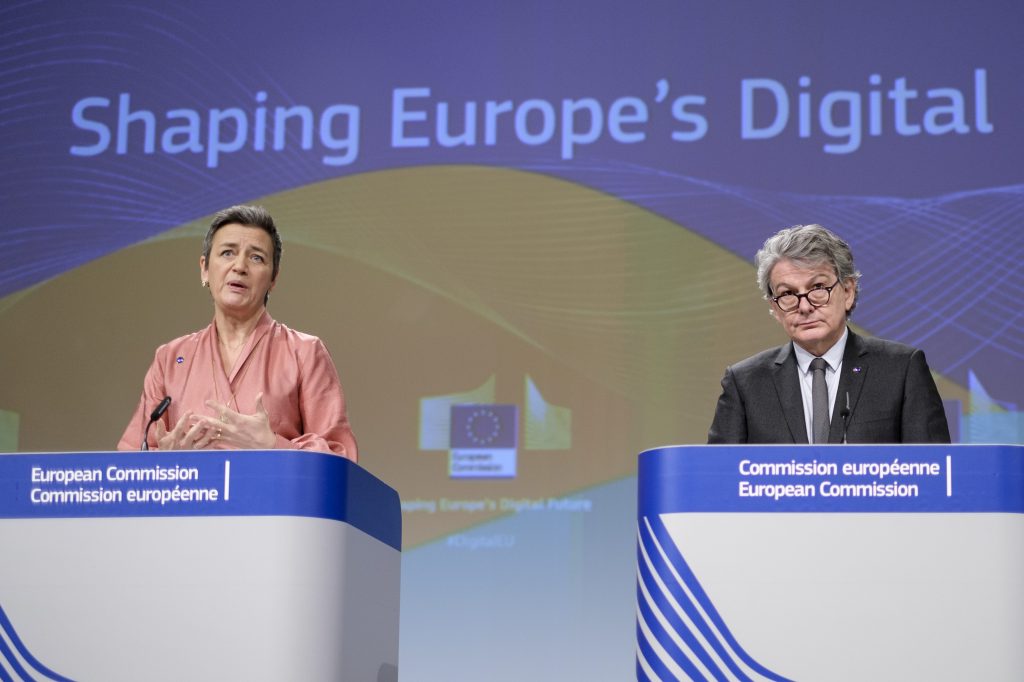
(154, 415)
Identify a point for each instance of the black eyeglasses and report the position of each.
(817, 297)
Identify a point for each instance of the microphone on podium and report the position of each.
(156, 414)
(844, 412)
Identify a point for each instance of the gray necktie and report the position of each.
(819, 401)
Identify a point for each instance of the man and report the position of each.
(862, 390)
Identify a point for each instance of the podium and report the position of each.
(212, 565)
(834, 562)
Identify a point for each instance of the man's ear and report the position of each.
(850, 288)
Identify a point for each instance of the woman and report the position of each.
(245, 381)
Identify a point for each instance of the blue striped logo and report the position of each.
(679, 633)
(16, 662)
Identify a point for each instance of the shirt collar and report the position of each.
(833, 356)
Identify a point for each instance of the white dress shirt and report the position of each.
(834, 358)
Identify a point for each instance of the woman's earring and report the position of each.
(206, 284)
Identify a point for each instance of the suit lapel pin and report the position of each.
(856, 370)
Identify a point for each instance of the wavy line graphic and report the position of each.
(680, 634)
(17, 663)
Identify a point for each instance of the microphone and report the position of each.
(159, 412)
(844, 412)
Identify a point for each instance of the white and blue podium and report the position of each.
(215, 565)
(821, 563)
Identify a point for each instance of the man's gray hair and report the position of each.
(806, 245)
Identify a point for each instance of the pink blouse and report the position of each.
(301, 391)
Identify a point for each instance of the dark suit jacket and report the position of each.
(893, 398)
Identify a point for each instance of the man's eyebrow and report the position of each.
(813, 280)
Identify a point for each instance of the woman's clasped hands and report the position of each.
(228, 429)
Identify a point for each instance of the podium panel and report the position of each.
(899, 562)
(217, 565)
